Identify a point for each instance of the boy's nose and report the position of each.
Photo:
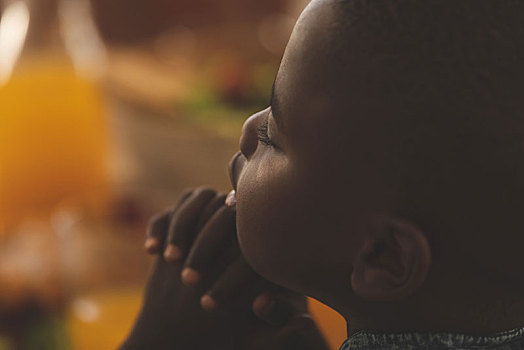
(249, 139)
(235, 168)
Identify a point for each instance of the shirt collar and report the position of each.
(364, 340)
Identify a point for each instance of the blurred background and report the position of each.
(108, 110)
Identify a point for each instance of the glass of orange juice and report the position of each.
(53, 133)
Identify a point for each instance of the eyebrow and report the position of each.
(275, 107)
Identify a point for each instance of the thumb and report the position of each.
(278, 308)
(289, 313)
(301, 332)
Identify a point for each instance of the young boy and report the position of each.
(385, 180)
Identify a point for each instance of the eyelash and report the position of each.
(263, 137)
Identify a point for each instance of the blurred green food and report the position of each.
(223, 104)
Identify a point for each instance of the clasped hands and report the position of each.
(202, 294)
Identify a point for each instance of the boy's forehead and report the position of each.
(313, 79)
(312, 42)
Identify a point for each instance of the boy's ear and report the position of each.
(393, 264)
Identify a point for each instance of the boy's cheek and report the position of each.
(264, 197)
(274, 222)
(288, 229)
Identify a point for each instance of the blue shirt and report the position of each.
(508, 340)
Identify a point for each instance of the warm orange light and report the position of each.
(52, 140)
(332, 325)
(102, 320)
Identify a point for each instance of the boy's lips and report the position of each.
(235, 168)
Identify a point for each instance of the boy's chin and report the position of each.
(265, 263)
(274, 268)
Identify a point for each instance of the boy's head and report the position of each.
(389, 168)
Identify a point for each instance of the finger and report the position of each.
(182, 229)
(158, 226)
(211, 241)
(210, 210)
(288, 311)
(157, 231)
(274, 309)
(232, 285)
(301, 332)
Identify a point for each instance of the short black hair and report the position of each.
(453, 71)
(475, 46)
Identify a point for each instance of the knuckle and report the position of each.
(204, 191)
(186, 192)
(224, 214)
(152, 222)
(155, 219)
(230, 211)
(222, 195)
(219, 213)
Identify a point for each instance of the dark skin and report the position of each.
(221, 303)
(315, 213)
(316, 216)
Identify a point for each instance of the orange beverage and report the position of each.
(52, 139)
(103, 319)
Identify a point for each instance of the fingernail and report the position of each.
(172, 253)
(268, 307)
(208, 303)
(190, 276)
(264, 304)
(231, 199)
(151, 244)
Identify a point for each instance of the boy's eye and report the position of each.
(263, 137)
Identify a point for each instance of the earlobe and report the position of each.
(393, 263)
